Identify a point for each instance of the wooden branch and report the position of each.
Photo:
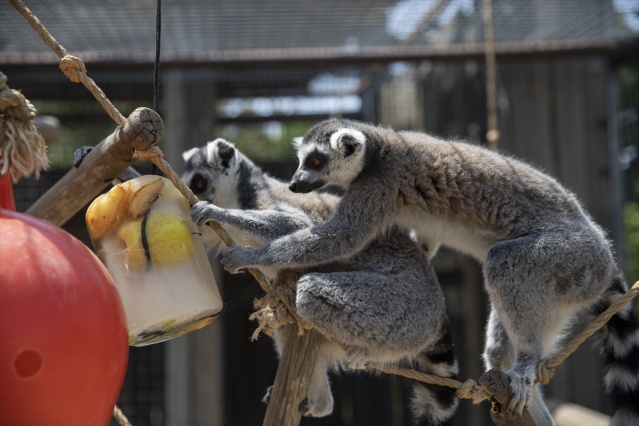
(292, 378)
(497, 383)
(142, 129)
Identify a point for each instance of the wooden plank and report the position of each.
(143, 129)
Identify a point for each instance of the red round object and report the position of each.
(6, 191)
(63, 333)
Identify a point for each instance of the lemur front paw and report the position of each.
(236, 258)
(267, 397)
(203, 211)
(521, 391)
(319, 406)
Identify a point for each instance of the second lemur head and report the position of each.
(330, 153)
(209, 171)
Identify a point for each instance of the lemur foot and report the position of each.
(267, 397)
(79, 154)
(236, 258)
(521, 391)
(318, 406)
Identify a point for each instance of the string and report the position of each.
(156, 66)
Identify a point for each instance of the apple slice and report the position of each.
(145, 191)
(106, 212)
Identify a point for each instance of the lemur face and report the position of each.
(331, 153)
(207, 170)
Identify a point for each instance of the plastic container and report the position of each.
(142, 231)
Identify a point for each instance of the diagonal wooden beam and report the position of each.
(142, 129)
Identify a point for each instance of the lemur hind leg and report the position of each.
(373, 316)
(537, 284)
(499, 353)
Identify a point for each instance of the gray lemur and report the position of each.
(545, 262)
(383, 305)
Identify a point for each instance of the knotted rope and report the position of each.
(71, 66)
(274, 309)
(22, 148)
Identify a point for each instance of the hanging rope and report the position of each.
(156, 67)
(22, 148)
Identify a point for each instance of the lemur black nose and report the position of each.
(293, 186)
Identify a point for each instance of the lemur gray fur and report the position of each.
(384, 304)
(545, 262)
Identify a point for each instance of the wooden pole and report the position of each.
(292, 378)
(497, 383)
(142, 129)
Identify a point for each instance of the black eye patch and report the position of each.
(198, 183)
(315, 160)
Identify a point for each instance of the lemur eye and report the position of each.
(315, 162)
(198, 183)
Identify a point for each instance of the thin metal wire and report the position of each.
(156, 67)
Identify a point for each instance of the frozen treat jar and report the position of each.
(142, 231)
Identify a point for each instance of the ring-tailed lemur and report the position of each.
(545, 261)
(384, 304)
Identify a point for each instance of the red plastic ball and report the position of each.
(63, 333)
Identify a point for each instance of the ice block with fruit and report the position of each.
(142, 231)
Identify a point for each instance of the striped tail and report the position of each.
(432, 404)
(618, 342)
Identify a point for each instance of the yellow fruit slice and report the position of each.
(168, 237)
(145, 191)
(134, 255)
(106, 211)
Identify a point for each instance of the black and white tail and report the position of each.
(618, 341)
(432, 404)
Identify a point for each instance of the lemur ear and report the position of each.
(220, 147)
(225, 150)
(297, 142)
(186, 155)
(348, 141)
